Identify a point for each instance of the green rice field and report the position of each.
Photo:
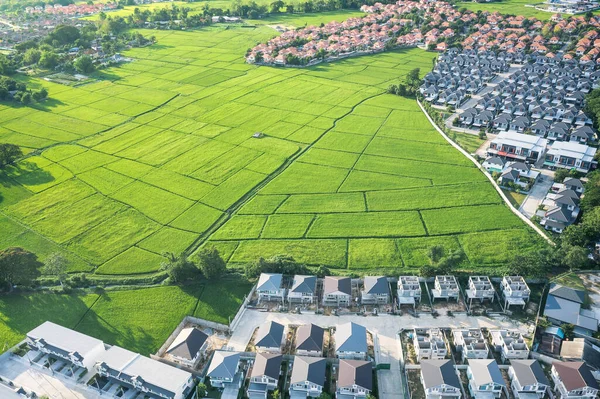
(157, 155)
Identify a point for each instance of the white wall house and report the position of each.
(355, 379)
(485, 379)
(224, 370)
(573, 380)
(470, 343)
(337, 291)
(510, 344)
(309, 340)
(350, 341)
(528, 379)
(445, 287)
(515, 291)
(188, 347)
(429, 343)
(376, 291)
(409, 290)
(269, 287)
(570, 155)
(303, 289)
(518, 146)
(480, 288)
(264, 376)
(308, 377)
(440, 379)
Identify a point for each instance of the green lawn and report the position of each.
(516, 199)
(571, 280)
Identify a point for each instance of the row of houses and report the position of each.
(561, 205)
(337, 291)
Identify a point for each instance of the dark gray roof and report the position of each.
(269, 282)
(572, 182)
(351, 337)
(495, 161)
(376, 285)
(567, 293)
(310, 369)
(486, 371)
(268, 364)
(558, 214)
(520, 166)
(334, 284)
(223, 364)
(269, 335)
(438, 372)
(355, 372)
(566, 199)
(529, 372)
(188, 343)
(304, 284)
(575, 375)
(309, 337)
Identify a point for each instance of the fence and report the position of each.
(236, 320)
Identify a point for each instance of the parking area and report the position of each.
(385, 327)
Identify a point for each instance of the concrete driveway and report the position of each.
(536, 195)
(386, 327)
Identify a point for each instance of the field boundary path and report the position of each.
(489, 177)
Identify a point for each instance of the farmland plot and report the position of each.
(162, 158)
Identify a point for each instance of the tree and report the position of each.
(40, 94)
(324, 395)
(435, 253)
(84, 64)
(9, 153)
(276, 394)
(48, 59)
(575, 257)
(179, 268)
(18, 266)
(64, 34)
(26, 98)
(569, 330)
(210, 263)
(201, 389)
(56, 265)
(323, 271)
(32, 56)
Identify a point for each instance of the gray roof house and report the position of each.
(355, 379)
(440, 379)
(145, 375)
(573, 380)
(494, 164)
(337, 291)
(574, 184)
(265, 375)
(351, 341)
(269, 337)
(563, 305)
(376, 290)
(485, 379)
(308, 377)
(188, 346)
(309, 340)
(224, 370)
(303, 289)
(269, 287)
(528, 379)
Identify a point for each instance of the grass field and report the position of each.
(137, 319)
(151, 155)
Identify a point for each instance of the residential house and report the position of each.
(494, 164)
(75, 348)
(564, 305)
(337, 291)
(264, 376)
(224, 370)
(445, 287)
(376, 290)
(518, 146)
(440, 379)
(269, 337)
(515, 291)
(355, 379)
(350, 341)
(144, 375)
(528, 379)
(573, 380)
(510, 344)
(470, 343)
(429, 343)
(540, 127)
(309, 340)
(563, 210)
(467, 116)
(269, 287)
(574, 185)
(188, 347)
(308, 377)
(570, 155)
(481, 288)
(583, 135)
(485, 379)
(303, 289)
(409, 290)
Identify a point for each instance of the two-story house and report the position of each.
(564, 306)
(429, 343)
(269, 287)
(573, 380)
(470, 343)
(445, 287)
(188, 347)
(510, 344)
(309, 340)
(308, 377)
(409, 290)
(528, 379)
(264, 376)
(480, 288)
(570, 155)
(376, 291)
(303, 289)
(518, 146)
(515, 291)
(485, 379)
(337, 291)
(269, 337)
(355, 379)
(350, 341)
(440, 379)
(224, 370)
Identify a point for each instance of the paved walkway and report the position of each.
(536, 195)
(385, 326)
